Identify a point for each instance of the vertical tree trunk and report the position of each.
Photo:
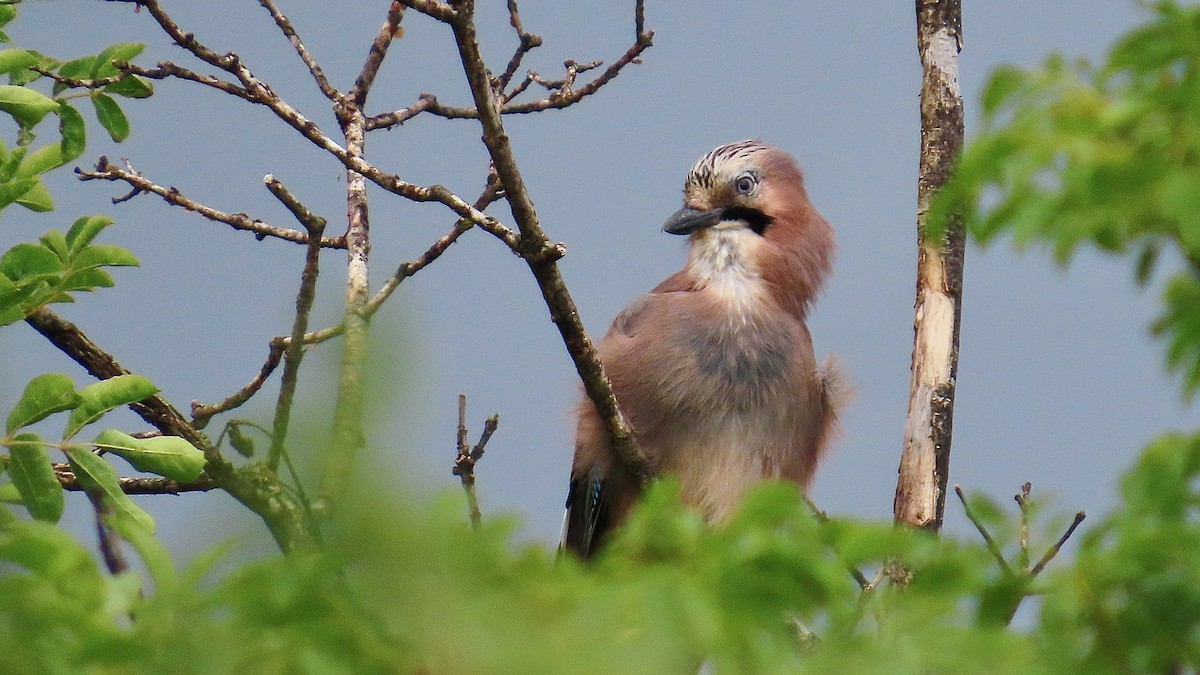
(925, 462)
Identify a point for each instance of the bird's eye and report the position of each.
(745, 184)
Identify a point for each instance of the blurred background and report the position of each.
(1059, 382)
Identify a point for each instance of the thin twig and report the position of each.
(309, 220)
(490, 194)
(643, 40)
(379, 47)
(863, 582)
(256, 91)
(398, 117)
(526, 42)
(1053, 551)
(289, 30)
(109, 540)
(201, 414)
(467, 458)
(136, 486)
(987, 537)
(166, 69)
(239, 221)
(304, 303)
(1022, 500)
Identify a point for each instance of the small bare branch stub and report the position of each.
(467, 458)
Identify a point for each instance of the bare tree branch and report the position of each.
(109, 540)
(137, 486)
(309, 220)
(304, 303)
(261, 492)
(490, 194)
(992, 546)
(398, 117)
(366, 77)
(239, 221)
(537, 250)
(201, 413)
(561, 97)
(925, 461)
(1053, 550)
(526, 42)
(348, 438)
(289, 31)
(438, 10)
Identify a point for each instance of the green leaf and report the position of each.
(26, 260)
(12, 190)
(99, 255)
(56, 242)
(79, 68)
(100, 397)
(95, 473)
(25, 105)
(29, 465)
(17, 59)
(84, 230)
(111, 117)
(40, 161)
(131, 87)
(37, 198)
(9, 494)
(10, 313)
(45, 394)
(102, 65)
(168, 456)
(73, 130)
(152, 552)
(1001, 84)
(86, 280)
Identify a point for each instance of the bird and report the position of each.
(714, 368)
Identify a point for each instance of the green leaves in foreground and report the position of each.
(100, 397)
(33, 275)
(1110, 156)
(168, 456)
(29, 463)
(767, 593)
(44, 395)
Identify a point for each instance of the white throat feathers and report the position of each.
(722, 261)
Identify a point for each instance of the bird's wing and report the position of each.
(629, 320)
(587, 519)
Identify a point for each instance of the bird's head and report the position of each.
(745, 202)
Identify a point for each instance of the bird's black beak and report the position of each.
(688, 220)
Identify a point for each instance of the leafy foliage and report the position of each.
(412, 588)
(1108, 155)
(34, 275)
(33, 476)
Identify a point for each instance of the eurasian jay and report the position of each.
(714, 368)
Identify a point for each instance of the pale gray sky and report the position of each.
(1059, 382)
